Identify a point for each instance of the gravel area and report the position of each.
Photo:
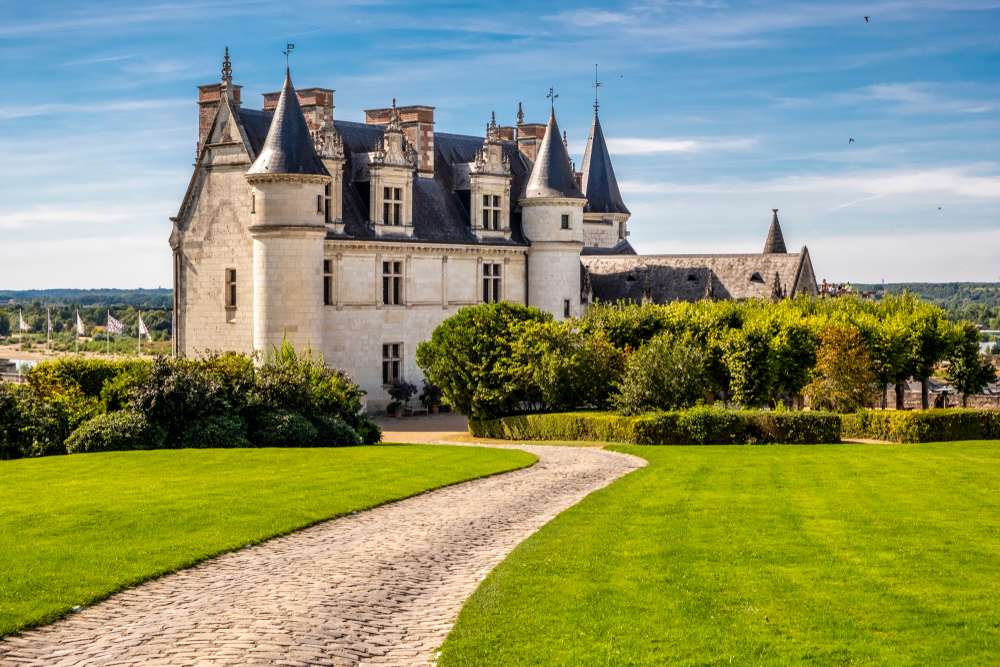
(380, 588)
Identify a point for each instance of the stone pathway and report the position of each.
(380, 588)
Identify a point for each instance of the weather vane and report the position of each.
(552, 96)
(597, 84)
(288, 53)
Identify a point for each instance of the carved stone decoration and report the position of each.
(491, 160)
(393, 150)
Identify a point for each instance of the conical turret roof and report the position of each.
(288, 148)
(775, 243)
(599, 182)
(552, 175)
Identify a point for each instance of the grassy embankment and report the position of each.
(819, 555)
(75, 529)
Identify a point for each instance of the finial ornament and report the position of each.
(520, 115)
(597, 84)
(775, 210)
(227, 67)
(552, 97)
(565, 143)
(287, 53)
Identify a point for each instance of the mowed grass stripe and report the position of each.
(819, 555)
(76, 529)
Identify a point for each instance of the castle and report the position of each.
(358, 239)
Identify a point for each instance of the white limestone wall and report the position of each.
(600, 235)
(438, 281)
(213, 238)
(288, 287)
(541, 219)
(286, 202)
(554, 277)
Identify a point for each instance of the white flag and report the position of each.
(144, 330)
(79, 323)
(24, 325)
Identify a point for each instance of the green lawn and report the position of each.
(75, 529)
(779, 555)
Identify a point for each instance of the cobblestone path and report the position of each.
(380, 588)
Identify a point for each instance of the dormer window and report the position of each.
(491, 212)
(392, 206)
(692, 278)
(755, 278)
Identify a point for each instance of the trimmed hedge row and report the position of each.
(700, 426)
(923, 426)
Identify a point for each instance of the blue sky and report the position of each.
(715, 113)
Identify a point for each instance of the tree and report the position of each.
(751, 365)
(626, 325)
(664, 374)
(969, 371)
(794, 349)
(4, 324)
(844, 376)
(469, 356)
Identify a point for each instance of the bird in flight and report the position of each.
(939, 208)
(850, 141)
(866, 19)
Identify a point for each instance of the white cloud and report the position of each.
(103, 107)
(913, 98)
(640, 146)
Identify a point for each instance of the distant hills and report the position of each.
(146, 298)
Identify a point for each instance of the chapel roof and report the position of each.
(599, 182)
(775, 242)
(552, 175)
(666, 278)
(288, 147)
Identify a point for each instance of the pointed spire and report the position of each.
(520, 115)
(552, 175)
(288, 148)
(227, 68)
(775, 243)
(599, 182)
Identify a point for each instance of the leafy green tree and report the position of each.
(626, 325)
(794, 350)
(470, 355)
(845, 377)
(4, 324)
(969, 372)
(751, 365)
(667, 373)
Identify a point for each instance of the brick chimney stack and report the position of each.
(209, 98)
(317, 105)
(417, 122)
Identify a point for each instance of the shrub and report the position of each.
(402, 391)
(625, 325)
(752, 365)
(469, 356)
(845, 374)
(332, 431)
(335, 393)
(214, 432)
(924, 425)
(431, 395)
(283, 428)
(664, 374)
(120, 431)
(178, 392)
(393, 407)
(89, 375)
(367, 430)
(47, 421)
(117, 391)
(13, 444)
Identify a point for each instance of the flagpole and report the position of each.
(20, 344)
(77, 323)
(139, 332)
(108, 333)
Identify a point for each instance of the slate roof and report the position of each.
(775, 242)
(288, 148)
(553, 174)
(623, 248)
(599, 182)
(666, 278)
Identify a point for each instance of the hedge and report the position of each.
(699, 426)
(120, 431)
(923, 425)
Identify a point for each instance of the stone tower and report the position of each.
(605, 215)
(288, 181)
(552, 220)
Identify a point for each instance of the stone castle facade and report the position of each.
(358, 239)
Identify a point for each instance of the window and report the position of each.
(492, 286)
(621, 230)
(230, 288)
(326, 204)
(566, 308)
(253, 203)
(327, 282)
(565, 221)
(397, 205)
(391, 362)
(392, 206)
(385, 205)
(319, 203)
(392, 283)
(491, 212)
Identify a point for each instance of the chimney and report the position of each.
(209, 98)
(529, 137)
(507, 133)
(417, 123)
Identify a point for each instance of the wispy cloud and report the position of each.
(103, 107)
(914, 98)
(636, 146)
(98, 60)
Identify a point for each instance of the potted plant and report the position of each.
(401, 392)
(431, 397)
(395, 409)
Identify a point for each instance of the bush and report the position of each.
(402, 391)
(47, 421)
(845, 375)
(367, 430)
(283, 428)
(120, 431)
(699, 426)
(214, 432)
(664, 374)
(179, 392)
(13, 444)
(332, 431)
(923, 426)
(393, 407)
(89, 375)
